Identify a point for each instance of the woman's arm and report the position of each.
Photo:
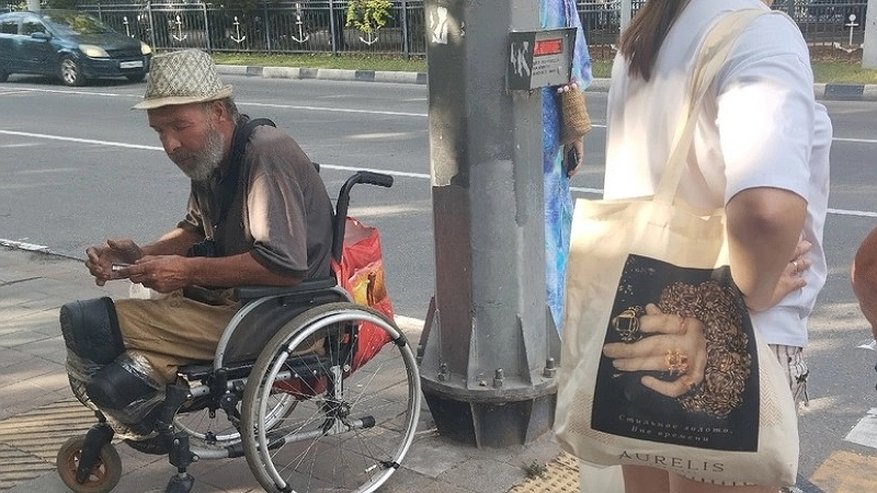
(764, 226)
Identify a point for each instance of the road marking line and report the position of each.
(78, 93)
(21, 245)
(327, 109)
(838, 212)
(81, 141)
(24, 144)
(375, 170)
(859, 141)
(845, 472)
(865, 431)
(331, 110)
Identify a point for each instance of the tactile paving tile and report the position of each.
(561, 476)
(29, 442)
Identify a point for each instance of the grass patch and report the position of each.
(320, 60)
(843, 72)
(826, 68)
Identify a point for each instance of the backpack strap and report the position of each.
(229, 184)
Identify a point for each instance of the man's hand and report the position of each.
(163, 273)
(101, 259)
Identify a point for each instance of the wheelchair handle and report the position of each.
(343, 204)
(371, 178)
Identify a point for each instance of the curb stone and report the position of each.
(832, 92)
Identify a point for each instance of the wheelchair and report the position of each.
(285, 390)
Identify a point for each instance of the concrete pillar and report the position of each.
(626, 13)
(487, 341)
(869, 53)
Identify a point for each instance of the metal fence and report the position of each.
(319, 26)
(314, 26)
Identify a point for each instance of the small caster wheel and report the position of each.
(105, 475)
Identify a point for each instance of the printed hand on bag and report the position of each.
(674, 344)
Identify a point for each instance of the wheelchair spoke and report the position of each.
(351, 426)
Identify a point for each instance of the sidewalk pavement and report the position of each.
(829, 92)
(38, 411)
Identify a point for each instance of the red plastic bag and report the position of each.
(361, 273)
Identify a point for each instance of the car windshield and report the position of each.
(75, 23)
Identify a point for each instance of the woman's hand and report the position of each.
(101, 259)
(578, 145)
(677, 345)
(791, 279)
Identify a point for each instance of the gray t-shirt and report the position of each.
(283, 216)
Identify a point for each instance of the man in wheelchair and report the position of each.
(258, 215)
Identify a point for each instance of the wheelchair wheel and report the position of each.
(351, 426)
(217, 432)
(104, 476)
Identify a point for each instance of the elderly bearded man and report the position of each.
(258, 214)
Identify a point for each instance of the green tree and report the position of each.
(368, 15)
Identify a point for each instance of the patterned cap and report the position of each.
(182, 77)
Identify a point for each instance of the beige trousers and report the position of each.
(173, 331)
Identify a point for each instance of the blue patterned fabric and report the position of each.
(558, 201)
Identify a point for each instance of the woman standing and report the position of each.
(557, 198)
(760, 151)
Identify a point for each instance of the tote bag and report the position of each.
(736, 424)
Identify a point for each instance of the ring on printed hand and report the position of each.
(795, 265)
(626, 324)
(677, 362)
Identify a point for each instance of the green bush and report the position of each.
(368, 15)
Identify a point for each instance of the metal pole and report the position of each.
(332, 26)
(626, 13)
(405, 46)
(869, 52)
(206, 26)
(151, 24)
(267, 28)
(486, 343)
(33, 5)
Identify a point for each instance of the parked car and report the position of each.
(71, 45)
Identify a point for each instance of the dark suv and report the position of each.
(71, 45)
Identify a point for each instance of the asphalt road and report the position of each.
(77, 166)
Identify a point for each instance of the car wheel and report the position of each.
(136, 77)
(69, 71)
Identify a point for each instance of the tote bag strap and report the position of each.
(711, 57)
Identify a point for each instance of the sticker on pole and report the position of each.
(540, 58)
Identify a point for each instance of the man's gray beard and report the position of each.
(207, 161)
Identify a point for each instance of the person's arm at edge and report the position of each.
(863, 276)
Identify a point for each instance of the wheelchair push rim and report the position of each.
(351, 429)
